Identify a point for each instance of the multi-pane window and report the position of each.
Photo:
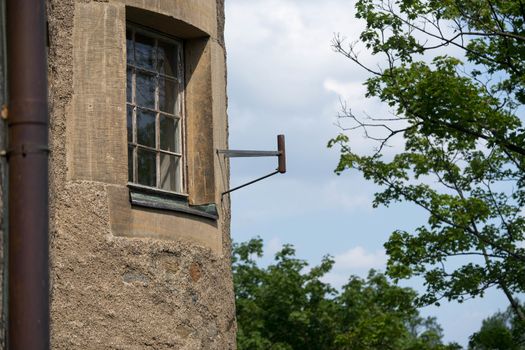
(155, 110)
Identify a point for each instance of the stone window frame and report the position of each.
(95, 122)
(198, 168)
(177, 114)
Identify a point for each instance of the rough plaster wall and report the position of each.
(118, 293)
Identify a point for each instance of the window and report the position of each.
(155, 110)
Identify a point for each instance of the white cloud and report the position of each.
(358, 258)
(336, 280)
(356, 261)
(273, 246)
(334, 195)
(282, 54)
(349, 91)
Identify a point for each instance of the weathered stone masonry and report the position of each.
(125, 277)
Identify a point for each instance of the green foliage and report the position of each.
(285, 306)
(462, 125)
(502, 331)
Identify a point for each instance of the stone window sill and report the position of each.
(158, 199)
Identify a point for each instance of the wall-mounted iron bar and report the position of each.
(249, 183)
(280, 153)
(230, 153)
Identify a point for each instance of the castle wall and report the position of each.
(125, 277)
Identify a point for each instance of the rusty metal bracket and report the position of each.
(280, 153)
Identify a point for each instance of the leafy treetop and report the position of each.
(460, 117)
(285, 307)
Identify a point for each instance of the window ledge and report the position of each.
(158, 199)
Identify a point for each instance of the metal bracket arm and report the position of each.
(230, 153)
(249, 183)
(280, 153)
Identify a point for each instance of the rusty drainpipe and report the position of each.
(28, 326)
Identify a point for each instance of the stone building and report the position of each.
(139, 230)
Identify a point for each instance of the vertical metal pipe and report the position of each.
(3, 180)
(28, 176)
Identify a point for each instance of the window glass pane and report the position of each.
(147, 169)
(145, 90)
(129, 46)
(130, 163)
(129, 83)
(169, 134)
(144, 51)
(167, 58)
(167, 95)
(130, 123)
(153, 87)
(146, 128)
(170, 171)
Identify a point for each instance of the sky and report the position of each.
(285, 78)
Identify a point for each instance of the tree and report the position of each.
(284, 307)
(464, 141)
(501, 331)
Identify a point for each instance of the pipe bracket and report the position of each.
(5, 112)
(24, 149)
